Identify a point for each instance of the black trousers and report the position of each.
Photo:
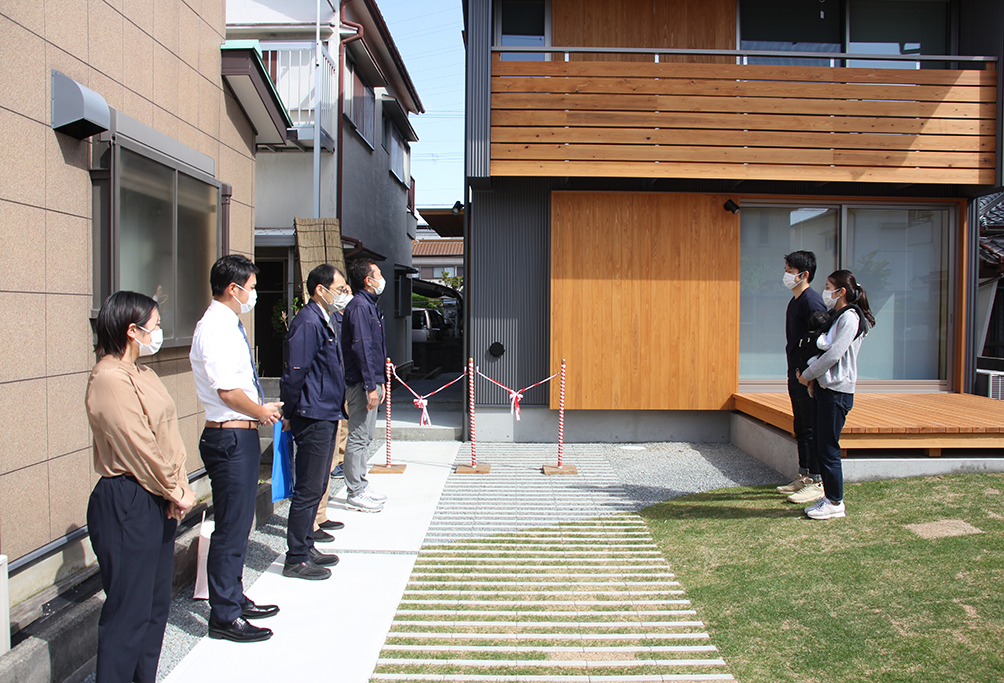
(801, 409)
(134, 542)
(316, 441)
(233, 460)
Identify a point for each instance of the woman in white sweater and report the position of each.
(835, 372)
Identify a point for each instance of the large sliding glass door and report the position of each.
(900, 254)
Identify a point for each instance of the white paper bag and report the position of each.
(201, 579)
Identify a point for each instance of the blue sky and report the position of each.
(428, 35)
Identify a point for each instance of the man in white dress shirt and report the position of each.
(228, 386)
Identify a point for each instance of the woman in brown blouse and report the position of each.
(143, 491)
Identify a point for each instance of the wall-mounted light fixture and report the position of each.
(457, 208)
(731, 206)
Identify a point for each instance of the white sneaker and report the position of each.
(796, 485)
(378, 497)
(824, 509)
(809, 494)
(364, 502)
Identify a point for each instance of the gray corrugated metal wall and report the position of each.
(478, 96)
(510, 254)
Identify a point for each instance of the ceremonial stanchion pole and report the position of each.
(473, 468)
(561, 468)
(388, 468)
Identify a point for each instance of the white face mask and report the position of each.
(252, 299)
(156, 340)
(381, 283)
(340, 301)
(790, 280)
(829, 300)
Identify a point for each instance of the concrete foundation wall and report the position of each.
(769, 445)
(540, 425)
(777, 449)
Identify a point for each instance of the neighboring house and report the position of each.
(363, 177)
(435, 257)
(131, 168)
(610, 144)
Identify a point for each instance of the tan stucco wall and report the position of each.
(158, 62)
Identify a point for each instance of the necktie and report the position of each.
(257, 382)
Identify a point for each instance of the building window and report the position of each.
(523, 23)
(874, 27)
(400, 155)
(789, 26)
(427, 272)
(360, 103)
(158, 233)
(899, 27)
(900, 255)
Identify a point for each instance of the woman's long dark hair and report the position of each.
(855, 293)
(119, 311)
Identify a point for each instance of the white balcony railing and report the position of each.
(291, 66)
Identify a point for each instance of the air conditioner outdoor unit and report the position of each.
(995, 383)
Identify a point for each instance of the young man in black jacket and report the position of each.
(313, 390)
(799, 269)
(365, 350)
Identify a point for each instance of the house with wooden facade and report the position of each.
(636, 170)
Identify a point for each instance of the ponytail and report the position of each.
(855, 293)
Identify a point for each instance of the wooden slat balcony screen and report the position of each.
(673, 120)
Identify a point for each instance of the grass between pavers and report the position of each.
(860, 598)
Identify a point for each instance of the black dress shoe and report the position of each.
(331, 525)
(305, 570)
(323, 537)
(249, 610)
(317, 557)
(239, 630)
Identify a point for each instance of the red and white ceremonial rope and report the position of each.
(470, 391)
(515, 396)
(421, 402)
(386, 398)
(561, 413)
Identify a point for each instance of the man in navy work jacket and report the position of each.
(365, 361)
(312, 389)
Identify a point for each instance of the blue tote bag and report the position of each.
(282, 463)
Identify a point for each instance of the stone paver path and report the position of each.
(526, 577)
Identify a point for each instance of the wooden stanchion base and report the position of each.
(387, 469)
(477, 469)
(564, 469)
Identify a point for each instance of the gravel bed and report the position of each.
(655, 472)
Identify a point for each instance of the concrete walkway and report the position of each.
(337, 626)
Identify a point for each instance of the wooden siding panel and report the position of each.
(639, 283)
(763, 72)
(744, 122)
(651, 169)
(737, 138)
(667, 24)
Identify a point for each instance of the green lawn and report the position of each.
(861, 598)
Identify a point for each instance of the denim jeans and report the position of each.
(830, 410)
(801, 409)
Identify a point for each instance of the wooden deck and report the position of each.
(894, 421)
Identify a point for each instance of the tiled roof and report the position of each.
(437, 248)
(992, 210)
